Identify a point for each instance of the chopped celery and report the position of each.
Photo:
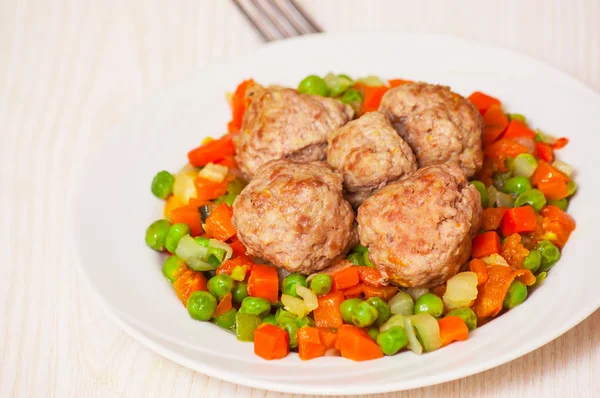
(246, 324)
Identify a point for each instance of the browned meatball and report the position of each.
(419, 230)
(281, 123)
(369, 153)
(440, 126)
(293, 215)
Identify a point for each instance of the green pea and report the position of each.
(539, 279)
(288, 285)
(245, 325)
(270, 319)
(356, 258)
(171, 267)
(352, 96)
(467, 315)
(383, 310)
(314, 85)
(282, 316)
(516, 294)
(201, 305)
(292, 330)
(561, 204)
(571, 187)
(255, 305)
(220, 285)
(373, 332)
(176, 232)
(500, 179)
(517, 185)
(227, 319)
(550, 255)
(239, 292)
(305, 321)
(162, 184)
(358, 248)
(367, 260)
(321, 284)
(364, 314)
(480, 186)
(392, 340)
(532, 261)
(431, 304)
(533, 197)
(156, 234)
(347, 308)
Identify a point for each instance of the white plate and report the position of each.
(115, 206)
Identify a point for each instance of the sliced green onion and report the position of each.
(202, 241)
(413, 342)
(193, 254)
(416, 292)
(428, 330)
(337, 84)
(221, 245)
(217, 253)
(402, 303)
(214, 172)
(563, 167)
(394, 320)
(524, 165)
(540, 136)
(516, 116)
(373, 81)
(504, 200)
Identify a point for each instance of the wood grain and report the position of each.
(70, 69)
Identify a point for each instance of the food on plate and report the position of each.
(282, 123)
(293, 215)
(369, 153)
(277, 261)
(419, 230)
(439, 125)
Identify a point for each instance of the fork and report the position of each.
(277, 19)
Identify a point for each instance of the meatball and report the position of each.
(293, 215)
(440, 126)
(419, 230)
(369, 153)
(282, 123)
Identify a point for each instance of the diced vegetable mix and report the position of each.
(524, 192)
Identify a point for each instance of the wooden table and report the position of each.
(70, 69)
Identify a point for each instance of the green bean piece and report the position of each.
(314, 85)
(292, 330)
(201, 305)
(392, 340)
(562, 204)
(288, 285)
(373, 332)
(533, 197)
(176, 232)
(227, 319)
(270, 319)
(245, 325)
(305, 321)
(532, 261)
(517, 185)
(162, 184)
(171, 267)
(321, 284)
(550, 255)
(383, 310)
(467, 315)
(256, 306)
(347, 308)
(283, 316)
(516, 294)
(367, 260)
(431, 304)
(239, 292)
(228, 198)
(480, 186)
(156, 234)
(356, 259)
(220, 285)
(364, 314)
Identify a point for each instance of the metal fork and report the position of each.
(277, 19)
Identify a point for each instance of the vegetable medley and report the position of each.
(524, 192)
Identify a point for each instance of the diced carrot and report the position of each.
(188, 283)
(517, 129)
(271, 342)
(557, 222)
(398, 82)
(494, 124)
(483, 101)
(560, 143)
(173, 202)
(372, 96)
(189, 215)
(207, 189)
(229, 162)
(327, 338)
(491, 217)
(370, 276)
(354, 291)
(517, 220)
(230, 264)
(544, 151)
(345, 278)
(264, 282)
(212, 151)
(554, 190)
(502, 149)
(545, 172)
(327, 314)
(453, 328)
(355, 344)
(224, 305)
(384, 292)
(309, 343)
(513, 251)
(491, 294)
(237, 247)
(238, 106)
(480, 268)
(485, 244)
(218, 224)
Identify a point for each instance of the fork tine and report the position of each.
(257, 22)
(279, 20)
(288, 14)
(305, 17)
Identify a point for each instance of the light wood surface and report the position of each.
(70, 69)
